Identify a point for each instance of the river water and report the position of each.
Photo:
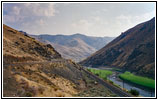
(143, 91)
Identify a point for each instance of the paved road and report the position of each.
(111, 87)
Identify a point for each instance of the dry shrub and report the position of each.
(55, 88)
(28, 94)
(41, 89)
(60, 94)
(32, 90)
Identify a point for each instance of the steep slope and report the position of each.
(21, 47)
(133, 50)
(76, 47)
(31, 68)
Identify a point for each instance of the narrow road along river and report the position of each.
(142, 90)
(145, 92)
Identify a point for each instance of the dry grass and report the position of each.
(40, 84)
(57, 79)
(21, 46)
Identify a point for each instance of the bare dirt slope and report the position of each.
(31, 68)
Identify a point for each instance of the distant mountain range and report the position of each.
(77, 46)
(133, 50)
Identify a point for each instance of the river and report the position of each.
(143, 91)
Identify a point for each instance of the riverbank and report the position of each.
(114, 77)
(143, 91)
(143, 81)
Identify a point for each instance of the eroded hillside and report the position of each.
(133, 50)
(31, 68)
(18, 47)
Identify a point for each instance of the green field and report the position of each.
(101, 73)
(143, 81)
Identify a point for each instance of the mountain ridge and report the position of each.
(76, 46)
(126, 51)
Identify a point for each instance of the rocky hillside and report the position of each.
(76, 47)
(18, 47)
(133, 50)
(34, 69)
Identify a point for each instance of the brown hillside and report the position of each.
(18, 47)
(34, 69)
(133, 50)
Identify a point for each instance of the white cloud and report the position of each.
(41, 22)
(91, 19)
(16, 10)
(35, 27)
(91, 26)
(38, 9)
(96, 18)
(125, 22)
(100, 11)
(22, 11)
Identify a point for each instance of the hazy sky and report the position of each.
(93, 19)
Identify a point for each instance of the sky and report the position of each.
(92, 19)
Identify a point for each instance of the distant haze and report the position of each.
(76, 47)
(92, 19)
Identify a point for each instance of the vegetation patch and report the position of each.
(134, 92)
(101, 73)
(143, 81)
